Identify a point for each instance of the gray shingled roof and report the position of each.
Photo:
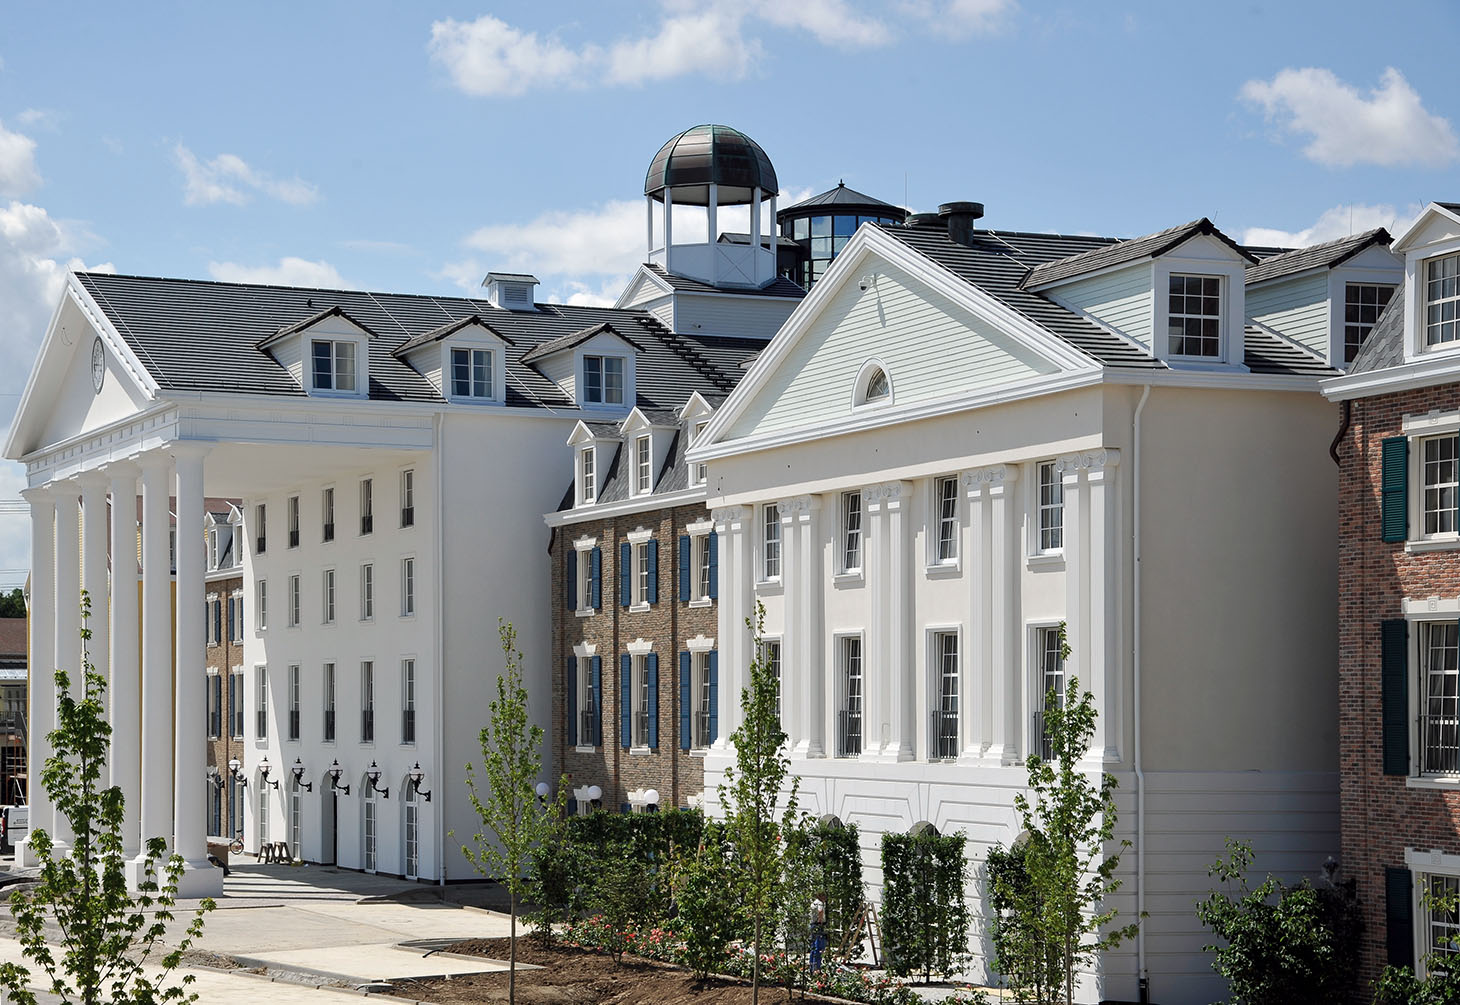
(194, 335)
(613, 486)
(1385, 345)
(1328, 254)
(556, 345)
(512, 277)
(778, 287)
(839, 196)
(1133, 250)
(437, 334)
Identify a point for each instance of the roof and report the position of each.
(735, 237)
(613, 485)
(1133, 250)
(451, 328)
(1385, 345)
(195, 335)
(778, 287)
(309, 322)
(711, 154)
(558, 345)
(1326, 255)
(13, 637)
(511, 277)
(840, 198)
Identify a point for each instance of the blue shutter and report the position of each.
(1399, 917)
(625, 808)
(596, 668)
(653, 571)
(1394, 484)
(684, 700)
(572, 807)
(595, 574)
(684, 568)
(714, 565)
(626, 715)
(572, 701)
(625, 583)
(1394, 693)
(217, 622)
(714, 730)
(570, 585)
(651, 669)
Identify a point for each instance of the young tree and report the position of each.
(749, 795)
(509, 808)
(107, 933)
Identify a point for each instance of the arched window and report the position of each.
(877, 385)
(874, 386)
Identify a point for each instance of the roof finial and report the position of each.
(841, 183)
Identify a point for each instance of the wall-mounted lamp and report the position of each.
(333, 774)
(542, 790)
(415, 775)
(299, 776)
(235, 768)
(215, 778)
(264, 770)
(594, 793)
(372, 775)
(651, 798)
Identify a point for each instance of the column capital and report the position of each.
(92, 479)
(728, 515)
(798, 507)
(886, 494)
(154, 460)
(1087, 460)
(122, 467)
(41, 495)
(980, 479)
(188, 450)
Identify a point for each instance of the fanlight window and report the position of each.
(877, 386)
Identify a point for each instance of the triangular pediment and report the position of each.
(643, 287)
(1438, 224)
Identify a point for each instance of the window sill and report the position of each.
(367, 619)
(944, 570)
(1048, 560)
(702, 602)
(580, 749)
(698, 751)
(408, 617)
(638, 608)
(1447, 783)
(770, 587)
(1433, 544)
(640, 751)
(851, 577)
(584, 612)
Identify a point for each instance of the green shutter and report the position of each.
(1394, 689)
(1399, 917)
(1394, 489)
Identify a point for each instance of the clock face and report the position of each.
(98, 364)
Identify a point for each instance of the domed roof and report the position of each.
(711, 154)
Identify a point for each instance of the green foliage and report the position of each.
(12, 604)
(924, 914)
(510, 808)
(1025, 960)
(555, 880)
(749, 795)
(652, 842)
(1283, 944)
(825, 859)
(622, 899)
(1400, 986)
(1052, 920)
(708, 910)
(107, 933)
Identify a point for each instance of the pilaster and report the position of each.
(802, 660)
(893, 675)
(124, 681)
(1004, 559)
(976, 694)
(736, 577)
(42, 659)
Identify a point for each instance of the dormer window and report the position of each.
(1442, 300)
(699, 472)
(1363, 303)
(471, 373)
(643, 466)
(603, 380)
(587, 477)
(334, 365)
(1194, 316)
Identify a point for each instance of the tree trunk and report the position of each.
(512, 950)
(755, 965)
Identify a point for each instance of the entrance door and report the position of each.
(329, 829)
(296, 812)
(370, 834)
(413, 836)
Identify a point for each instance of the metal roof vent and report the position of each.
(512, 291)
(960, 217)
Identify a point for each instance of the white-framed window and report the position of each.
(698, 472)
(603, 380)
(261, 707)
(643, 466)
(294, 600)
(367, 591)
(333, 365)
(293, 509)
(703, 578)
(412, 835)
(213, 549)
(943, 720)
(408, 498)
(214, 617)
(327, 514)
(1438, 915)
(328, 605)
(329, 703)
(945, 550)
(261, 604)
(1439, 674)
(368, 834)
(583, 588)
(1194, 316)
(215, 706)
(294, 701)
(851, 532)
(587, 476)
(770, 654)
(699, 692)
(367, 701)
(639, 698)
(641, 573)
(770, 541)
(1439, 477)
(471, 373)
(235, 807)
(849, 696)
(235, 703)
(587, 724)
(408, 701)
(1051, 504)
(296, 821)
(263, 815)
(1442, 300)
(1049, 677)
(1362, 305)
(407, 587)
(873, 385)
(260, 528)
(367, 505)
(235, 616)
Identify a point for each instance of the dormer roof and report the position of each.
(1133, 250)
(585, 431)
(648, 418)
(1329, 254)
(310, 322)
(577, 338)
(449, 329)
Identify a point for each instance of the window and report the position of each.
(212, 549)
(215, 707)
(582, 566)
(334, 365)
(770, 541)
(293, 521)
(849, 716)
(260, 529)
(408, 498)
(1441, 917)
(407, 587)
(369, 834)
(639, 701)
(367, 505)
(943, 728)
(603, 380)
(367, 702)
(327, 508)
(851, 531)
(643, 466)
(700, 699)
(1440, 679)
(642, 569)
(413, 835)
(704, 568)
(587, 476)
(263, 815)
(947, 497)
(878, 387)
(235, 806)
(408, 701)
(235, 618)
(329, 597)
(329, 703)
(261, 603)
(235, 704)
(770, 653)
(1051, 508)
(699, 471)
(1049, 680)
(1440, 482)
(367, 592)
(587, 704)
(214, 627)
(296, 822)
(1442, 300)
(471, 373)
(261, 713)
(1362, 305)
(1194, 316)
(215, 809)
(294, 702)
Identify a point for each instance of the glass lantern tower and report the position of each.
(821, 226)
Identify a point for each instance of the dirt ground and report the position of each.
(577, 977)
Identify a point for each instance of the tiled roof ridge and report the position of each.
(677, 345)
(1312, 256)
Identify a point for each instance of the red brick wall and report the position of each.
(1381, 815)
(223, 658)
(675, 773)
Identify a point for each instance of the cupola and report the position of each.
(513, 291)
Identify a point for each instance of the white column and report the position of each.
(801, 655)
(155, 802)
(754, 235)
(93, 570)
(735, 606)
(889, 672)
(124, 684)
(1077, 582)
(42, 660)
(976, 685)
(1005, 560)
(649, 228)
(1104, 599)
(712, 209)
(668, 227)
(68, 609)
(189, 780)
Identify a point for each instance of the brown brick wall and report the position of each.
(1381, 815)
(224, 657)
(675, 773)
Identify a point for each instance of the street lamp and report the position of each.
(415, 775)
(372, 776)
(299, 776)
(334, 773)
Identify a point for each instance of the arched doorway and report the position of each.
(329, 825)
(296, 821)
(411, 832)
(370, 832)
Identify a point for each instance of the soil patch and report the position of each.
(577, 977)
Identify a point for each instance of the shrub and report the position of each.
(1020, 954)
(706, 904)
(622, 899)
(649, 841)
(827, 862)
(924, 914)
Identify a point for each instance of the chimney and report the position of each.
(960, 217)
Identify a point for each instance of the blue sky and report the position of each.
(414, 146)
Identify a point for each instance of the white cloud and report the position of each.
(488, 56)
(608, 240)
(228, 178)
(709, 42)
(289, 271)
(1389, 127)
(961, 18)
(831, 22)
(18, 172)
(1340, 221)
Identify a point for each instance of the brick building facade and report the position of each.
(223, 663)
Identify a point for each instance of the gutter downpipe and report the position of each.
(1143, 981)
